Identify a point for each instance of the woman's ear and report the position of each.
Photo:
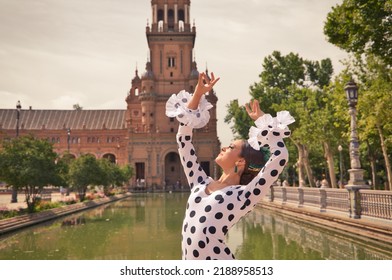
(240, 166)
(240, 163)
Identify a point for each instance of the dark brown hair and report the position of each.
(254, 161)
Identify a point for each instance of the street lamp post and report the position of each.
(14, 196)
(340, 149)
(68, 138)
(356, 181)
(18, 109)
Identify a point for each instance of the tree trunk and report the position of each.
(372, 161)
(386, 158)
(300, 164)
(82, 193)
(308, 169)
(373, 168)
(32, 197)
(331, 167)
(28, 200)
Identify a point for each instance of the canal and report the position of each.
(148, 227)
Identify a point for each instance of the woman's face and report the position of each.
(229, 155)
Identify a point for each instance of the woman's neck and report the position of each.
(226, 179)
(229, 179)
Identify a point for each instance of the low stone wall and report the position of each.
(11, 224)
(378, 230)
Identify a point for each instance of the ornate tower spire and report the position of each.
(171, 41)
(170, 15)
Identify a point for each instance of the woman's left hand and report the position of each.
(253, 109)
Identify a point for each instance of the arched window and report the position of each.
(161, 18)
(110, 157)
(170, 20)
(161, 15)
(181, 15)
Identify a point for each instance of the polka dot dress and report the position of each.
(208, 217)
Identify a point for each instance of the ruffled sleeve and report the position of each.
(176, 106)
(269, 131)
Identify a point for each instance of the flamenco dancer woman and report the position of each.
(248, 171)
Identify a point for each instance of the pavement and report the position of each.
(5, 200)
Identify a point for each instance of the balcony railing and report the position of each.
(355, 202)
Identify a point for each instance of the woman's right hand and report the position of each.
(205, 84)
(253, 109)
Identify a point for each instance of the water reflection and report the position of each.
(266, 235)
(148, 227)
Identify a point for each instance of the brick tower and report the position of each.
(152, 148)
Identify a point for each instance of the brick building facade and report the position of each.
(140, 135)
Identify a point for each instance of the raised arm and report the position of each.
(203, 86)
(269, 132)
(191, 110)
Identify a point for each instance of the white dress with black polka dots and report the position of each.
(208, 217)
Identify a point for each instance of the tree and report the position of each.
(294, 84)
(376, 110)
(83, 172)
(77, 107)
(240, 118)
(113, 175)
(28, 164)
(106, 177)
(362, 27)
(122, 177)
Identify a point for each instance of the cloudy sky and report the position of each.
(56, 53)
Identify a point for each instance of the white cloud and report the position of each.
(9, 99)
(67, 101)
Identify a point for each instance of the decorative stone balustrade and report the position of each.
(355, 202)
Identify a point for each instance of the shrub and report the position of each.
(6, 213)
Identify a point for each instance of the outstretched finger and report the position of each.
(201, 78)
(207, 79)
(247, 108)
(256, 106)
(212, 76)
(213, 80)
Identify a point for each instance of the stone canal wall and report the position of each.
(11, 224)
(379, 230)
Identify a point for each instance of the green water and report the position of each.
(148, 227)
